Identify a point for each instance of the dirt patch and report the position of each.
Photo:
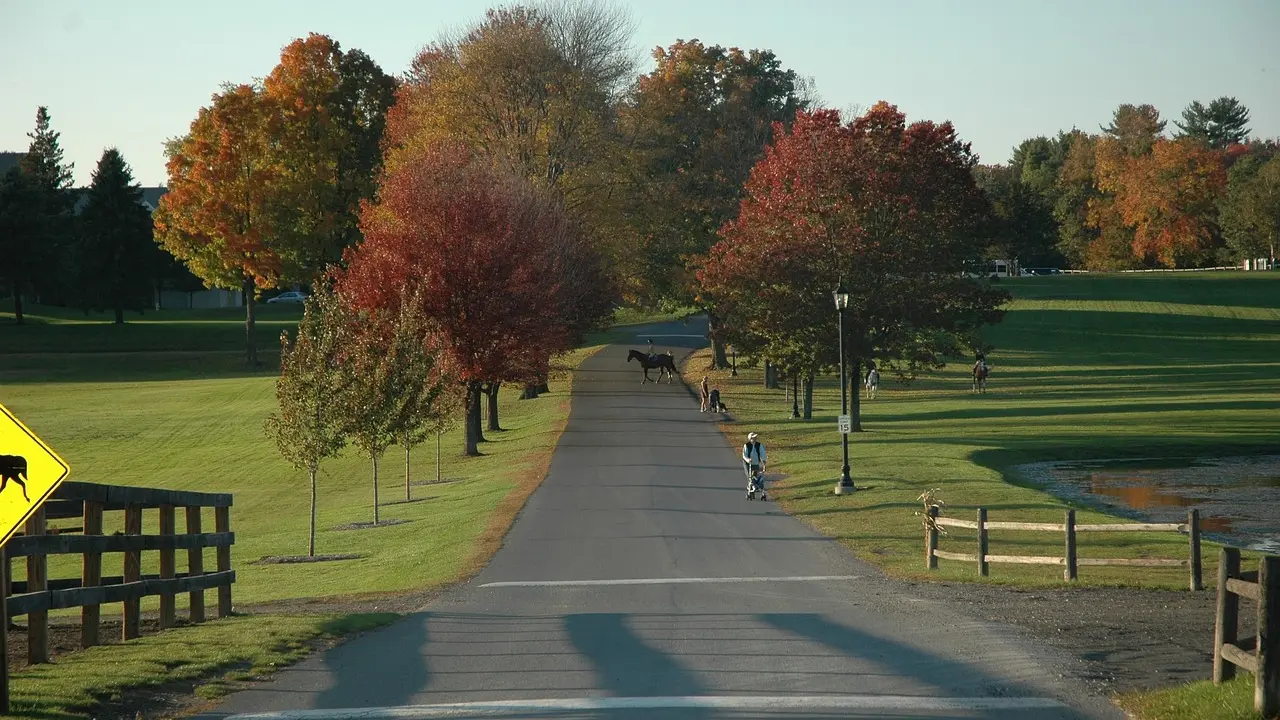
(369, 525)
(442, 481)
(408, 502)
(65, 638)
(1129, 639)
(293, 559)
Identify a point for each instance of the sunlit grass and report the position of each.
(1086, 367)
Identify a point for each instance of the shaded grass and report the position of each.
(1201, 700)
(233, 649)
(1086, 367)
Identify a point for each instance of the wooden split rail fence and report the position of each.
(1069, 529)
(87, 502)
(1259, 655)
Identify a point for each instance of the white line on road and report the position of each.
(500, 708)
(666, 581)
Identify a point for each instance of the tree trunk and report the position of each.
(808, 397)
(492, 392)
(473, 436)
(407, 494)
(795, 396)
(119, 315)
(770, 376)
(855, 399)
(17, 302)
(374, 457)
(251, 350)
(438, 456)
(311, 533)
(719, 360)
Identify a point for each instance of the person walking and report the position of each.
(705, 394)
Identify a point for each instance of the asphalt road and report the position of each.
(639, 582)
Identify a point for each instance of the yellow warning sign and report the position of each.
(29, 473)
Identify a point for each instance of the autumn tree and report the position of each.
(1250, 210)
(886, 209)
(1168, 197)
(1223, 123)
(222, 215)
(311, 422)
(1075, 190)
(332, 106)
(700, 121)
(474, 241)
(115, 253)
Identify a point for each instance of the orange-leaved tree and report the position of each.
(1169, 198)
(220, 215)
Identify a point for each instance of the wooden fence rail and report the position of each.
(39, 594)
(1259, 655)
(1069, 559)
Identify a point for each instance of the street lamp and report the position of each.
(845, 486)
(733, 355)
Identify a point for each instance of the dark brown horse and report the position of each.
(664, 363)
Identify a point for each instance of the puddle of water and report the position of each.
(1238, 497)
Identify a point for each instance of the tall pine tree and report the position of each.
(20, 223)
(51, 179)
(115, 252)
(1224, 122)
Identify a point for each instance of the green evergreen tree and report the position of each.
(115, 252)
(1224, 122)
(51, 177)
(20, 225)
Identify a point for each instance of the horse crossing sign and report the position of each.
(29, 473)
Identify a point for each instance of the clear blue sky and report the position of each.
(131, 73)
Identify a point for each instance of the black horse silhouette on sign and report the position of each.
(14, 467)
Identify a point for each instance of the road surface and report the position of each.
(639, 582)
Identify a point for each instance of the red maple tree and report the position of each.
(887, 209)
(477, 247)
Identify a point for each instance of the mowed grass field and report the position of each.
(1085, 367)
(164, 401)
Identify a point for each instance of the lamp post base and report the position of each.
(845, 489)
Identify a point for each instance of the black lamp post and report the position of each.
(733, 367)
(845, 486)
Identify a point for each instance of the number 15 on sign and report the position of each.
(845, 423)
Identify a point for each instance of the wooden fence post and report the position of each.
(1266, 687)
(1193, 531)
(131, 622)
(168, 610)
(931, 539)
(4, 631)
(195, 564)
(91, 575)
(222, 524)
(1225, 624)
(983, 568)
(1070, 573)
(37, 581)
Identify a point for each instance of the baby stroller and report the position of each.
(755, 483)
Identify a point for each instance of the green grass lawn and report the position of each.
(237, 649)
(1200, 700)
(165, 401)
(1085, 367)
